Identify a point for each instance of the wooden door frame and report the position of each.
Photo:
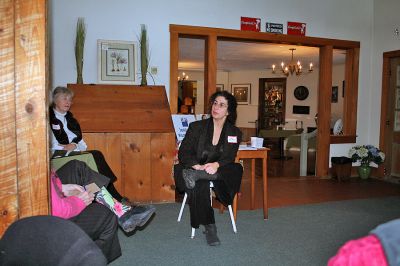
(387, 56)
(326, 46)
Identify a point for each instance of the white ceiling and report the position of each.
(234, 56)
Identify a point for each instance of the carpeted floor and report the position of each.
(298, 235)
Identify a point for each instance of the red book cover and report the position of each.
(250, 24)
(296, 28)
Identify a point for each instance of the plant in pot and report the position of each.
(366, 155)
(144, 55)
(79, 48)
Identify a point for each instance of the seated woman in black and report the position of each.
(67, 135)
(207, 153)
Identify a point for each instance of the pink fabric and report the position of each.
(363, 251)
(64, 207)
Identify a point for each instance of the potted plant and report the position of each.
(79, 48)
(144, 55)
(365, 155)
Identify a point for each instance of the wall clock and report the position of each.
(301, 93)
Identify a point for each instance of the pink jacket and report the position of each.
(64, 207)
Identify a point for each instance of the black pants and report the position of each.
(48, 240)
(104, 169)
(225, 188)
(96, 220)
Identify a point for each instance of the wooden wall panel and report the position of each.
(136, 168)
(121, 108)
(110, 145)
(31, 107)
(162, 155)
(8, 158)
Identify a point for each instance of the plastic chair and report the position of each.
(231, 213)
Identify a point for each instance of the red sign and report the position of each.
(296, 28)
(250, 24)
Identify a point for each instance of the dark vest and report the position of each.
(58, 129)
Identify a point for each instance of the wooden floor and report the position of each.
(285, 189)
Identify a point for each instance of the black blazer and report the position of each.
(193, 144)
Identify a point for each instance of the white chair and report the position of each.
(229, 207)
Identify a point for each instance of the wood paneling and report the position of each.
(23, 131)
(136, 169)
(121, 108)
(139, 153)
(162, 154)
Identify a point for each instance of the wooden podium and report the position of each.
(132, 127)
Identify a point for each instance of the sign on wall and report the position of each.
(250, 24)
(274, 28)
(296, 28)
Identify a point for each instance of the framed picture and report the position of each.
(241, 93)
(335, 92)
(220, 87)
(117, 62)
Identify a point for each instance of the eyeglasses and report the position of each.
(220, 105)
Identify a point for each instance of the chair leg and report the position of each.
(182, 207)
(232, 219)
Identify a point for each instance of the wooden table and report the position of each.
(261, 153)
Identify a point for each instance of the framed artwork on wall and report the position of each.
(117, 62)
(241, 93)
(219, 87)
(335, 92)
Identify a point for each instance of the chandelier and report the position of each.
(292, 67)
(183, 77)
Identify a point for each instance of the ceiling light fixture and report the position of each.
(292, 67)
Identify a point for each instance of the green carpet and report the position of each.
(298, 235)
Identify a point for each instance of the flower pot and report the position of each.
(364, 171)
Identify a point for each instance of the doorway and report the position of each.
(390, 119)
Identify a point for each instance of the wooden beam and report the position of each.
(263, 36)
(210, 69)
(173, 74)
(8, 158)
(324, 110)
(31, 107)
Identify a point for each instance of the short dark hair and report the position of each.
(232, 105)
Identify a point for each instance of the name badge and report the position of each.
(232, 139)
(56, 127)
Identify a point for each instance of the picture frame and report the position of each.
(241, 92)
(219, 87)
(335, 92)
(117, 62)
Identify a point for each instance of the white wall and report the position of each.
(121, 19)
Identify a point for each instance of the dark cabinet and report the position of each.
(272, 92)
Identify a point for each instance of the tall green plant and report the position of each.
(79, 48)
(144, 55)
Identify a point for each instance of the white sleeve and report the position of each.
(81, 146)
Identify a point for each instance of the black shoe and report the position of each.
(190, 177)
(211, 235)
(137, 216)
